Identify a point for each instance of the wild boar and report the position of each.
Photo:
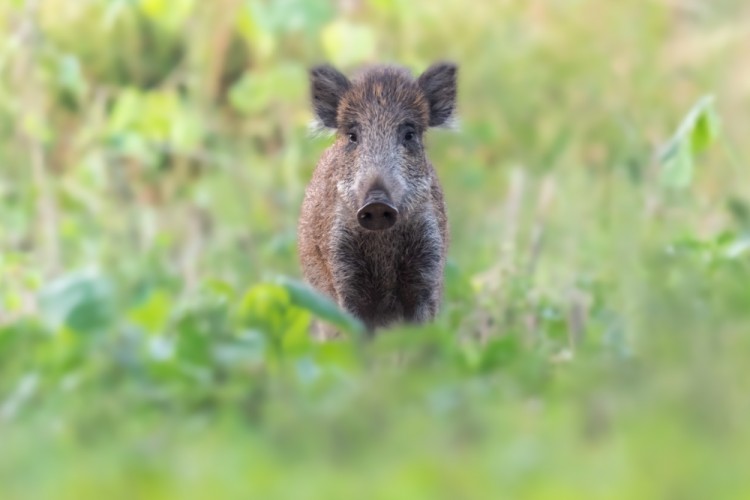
(373, 232)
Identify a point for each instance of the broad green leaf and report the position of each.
(307, 298)
(270, 308)
(82, 301)
(265, 305)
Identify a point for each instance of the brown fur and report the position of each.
(379, 276)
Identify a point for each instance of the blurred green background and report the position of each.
(595, 337)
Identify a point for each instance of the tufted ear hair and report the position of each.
(327, 85)
(438, 83)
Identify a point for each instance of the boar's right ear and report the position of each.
(327, 85)
(438, 83)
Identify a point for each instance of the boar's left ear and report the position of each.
(327, 85)
(438, 83)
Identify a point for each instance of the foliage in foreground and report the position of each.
(153, 336)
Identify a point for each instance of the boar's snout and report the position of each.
(378, 212)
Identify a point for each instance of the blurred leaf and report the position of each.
(306, 297)
(115, 8)
(697, 131)
(70, 79)
(677, 169)
(740, 210)
(36, 127)
(341, 354)
(159, 117)
(499, 352)
(260, 39)
(266, 304)
(82, 301)
(198, 325)
(248, 348)
(284, 16)
(153, 313)
(251, 94)
(346, 43)
(23, 391)
(220, 288)
(126, 109)
(257, 90)
(270, 308)
(737, 248)
(171, 14)
(706, 129)
(470, 355)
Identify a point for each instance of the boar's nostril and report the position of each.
(377, 216)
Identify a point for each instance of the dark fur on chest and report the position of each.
(389, 276)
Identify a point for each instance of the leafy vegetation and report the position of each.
(153, 326)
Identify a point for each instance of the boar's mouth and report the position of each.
(378, 212)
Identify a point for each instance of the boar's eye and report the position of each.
(408, 134)
(353, 137)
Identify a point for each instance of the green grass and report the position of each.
(153, 329)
